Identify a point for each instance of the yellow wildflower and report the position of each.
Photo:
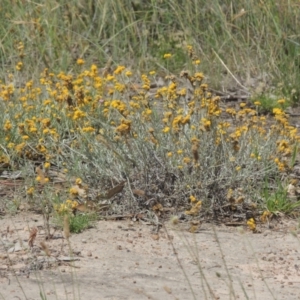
(148, 111)
(281, 101)
(124, 127)
(78, 181)
(46, 165)
(19, 66)
(265, 216)
(41, 148)
(278, 111)
(252, 224)
(73, 191)
(42, 180)
(88, 129)
(110, 77)
(198, 76)
(182, 92)
(166, 129)
(119, 70)
(193, 199)
(94, 70)
(78, 114)
(186, 160)
(80, 61)
(30, 191)
(186, 120)
(7, 125)
(206, 123)
(196, 207)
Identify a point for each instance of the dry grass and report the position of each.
(256, 41)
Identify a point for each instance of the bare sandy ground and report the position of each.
(125, 260)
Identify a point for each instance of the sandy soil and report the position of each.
(125, 260)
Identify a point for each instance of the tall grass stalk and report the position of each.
(257, 41)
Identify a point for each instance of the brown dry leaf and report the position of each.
(117, 189)
(140, 216)
(253, 205)
(89, 206)
(32, 236)
(110, 193)
(157, 207)
(60, 187)
(195, 222)
(45, 248)
(240, 199)
(135, 87)
(195, 152)
(140, 193)
(167, 289)
(86, 206)
(155, 237)
(194, 228)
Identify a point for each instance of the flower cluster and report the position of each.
(65, 208)
(119, 123)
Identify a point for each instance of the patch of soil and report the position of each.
(126, 260)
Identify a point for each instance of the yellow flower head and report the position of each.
(119, 70)
(78, 181)
(251, 224)
(7, 125)
(278, 112)
(30, 191)
(265, 216)
(167, 55)
(19, 66)
(193, 199)
(80, 61)
(166, 129)
(281, 101)
(46, 165)
(73, 191)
